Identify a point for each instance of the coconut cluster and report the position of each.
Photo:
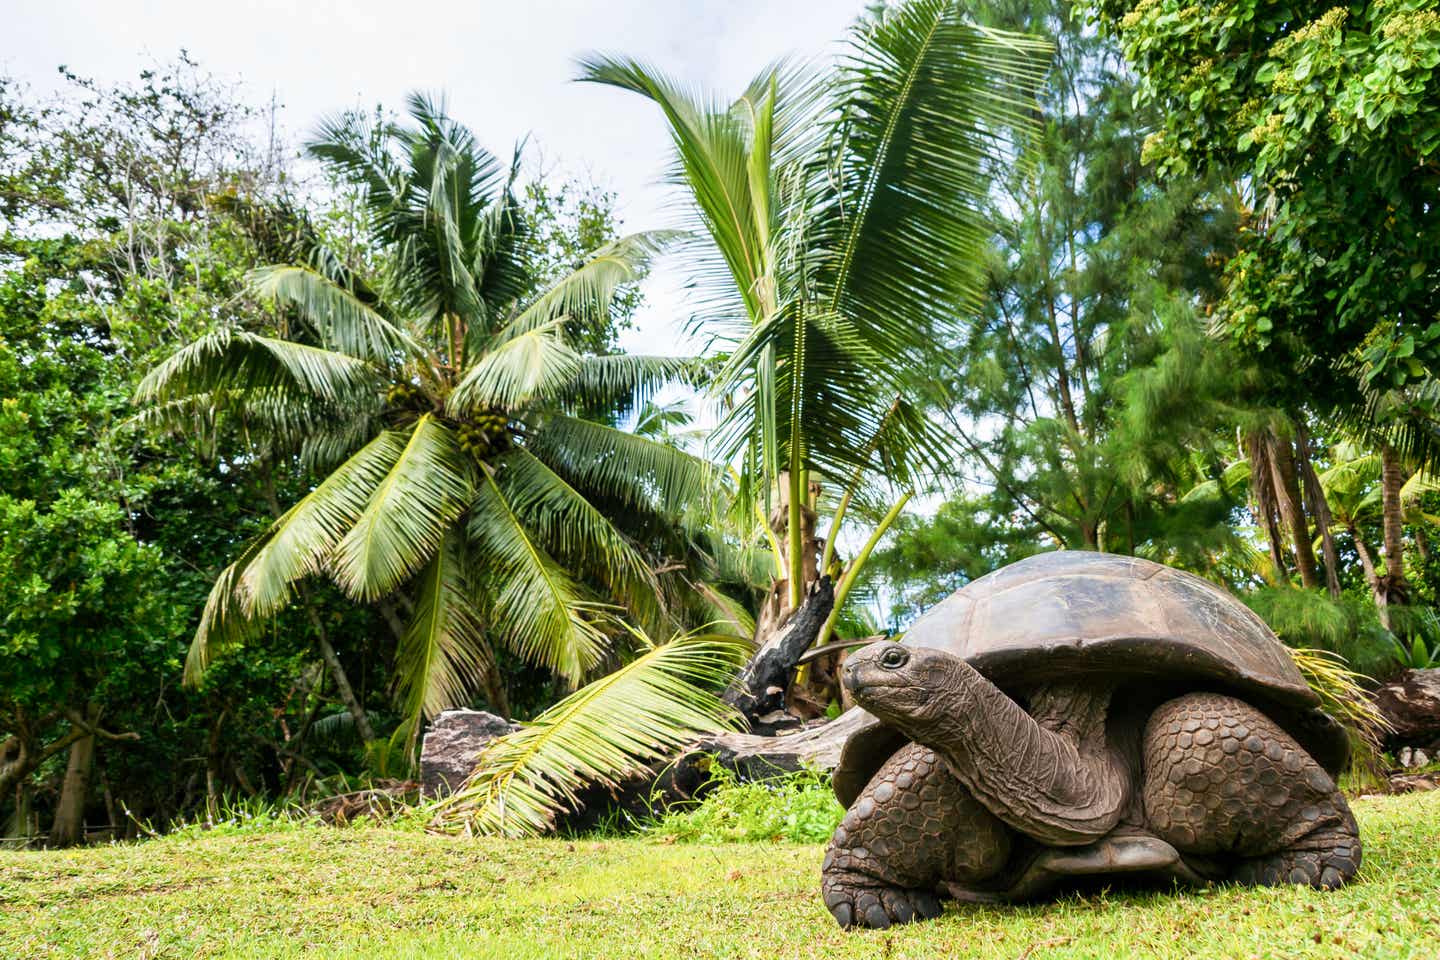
(486, 435)
(405, 395)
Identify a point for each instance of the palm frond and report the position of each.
(224, 623)
(577, 533)
(233, 361)
(300, 543)
(713, 147)
(624, 381)
(354, 145)
(726, 614)
(591, 287)
(1343, 695)
(599, 734)
(443, 655)
(258, 583)
(642, 473)
(344, 322)
(531, 365)
(926, 99)
(538, 609)
(274, 416)
(426, 491)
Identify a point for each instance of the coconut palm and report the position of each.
(839, 241)
(1358, 490)
(439, 388)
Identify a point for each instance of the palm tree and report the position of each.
(1372, 490)
(439, 389)
(839, 241)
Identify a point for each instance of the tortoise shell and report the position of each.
(1154, 631)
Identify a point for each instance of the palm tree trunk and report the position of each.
(1319, 508)
(1262, 494)
(1392, 478)
(1372, 577)
(1287, 496)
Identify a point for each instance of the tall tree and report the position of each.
(838, 225)
(1327, 117)
(436, 383)
(1090, 398)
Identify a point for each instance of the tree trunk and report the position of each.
(69, 826)
(758, 692)
(337, 673)
(1319, 508)
(214, 770)
(1372, 577)
(16, 760)
(17, 833)
(21, 754)
(1287, 496)
(1392, 478)
(1262, 493)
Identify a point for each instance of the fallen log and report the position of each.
(1411, 704)
(691, 776)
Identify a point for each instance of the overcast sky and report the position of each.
(506, 67)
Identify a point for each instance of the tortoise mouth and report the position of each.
(868, 681)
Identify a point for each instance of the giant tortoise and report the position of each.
(1079, 713)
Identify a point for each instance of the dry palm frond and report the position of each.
(1344, 697)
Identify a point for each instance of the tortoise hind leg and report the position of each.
(912, 829)
(1324, 860)
(1222, 779)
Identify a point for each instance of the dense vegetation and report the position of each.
(300, 447)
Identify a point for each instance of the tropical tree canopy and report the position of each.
(437, 386)
(836, 237)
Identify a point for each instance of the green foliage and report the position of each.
(840, 241)
(797, 808)
(80, 596)
(1420, 628)
(1328, 114)
(1348, 627)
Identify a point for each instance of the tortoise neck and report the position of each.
(1077, 711)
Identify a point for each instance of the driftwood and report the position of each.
(758, 692)
(690, 776)
(1411, 704)
(752, 756)
(378, 802)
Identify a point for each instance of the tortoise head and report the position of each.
(906, 687)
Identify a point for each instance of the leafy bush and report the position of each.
(796, 808)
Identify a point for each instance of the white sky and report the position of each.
(505, 66)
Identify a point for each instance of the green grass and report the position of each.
(290, 890)
(799, 808)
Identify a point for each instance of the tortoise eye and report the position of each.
(894, 658)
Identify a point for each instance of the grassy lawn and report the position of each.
(370, 892)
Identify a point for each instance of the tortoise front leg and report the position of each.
(913, 828)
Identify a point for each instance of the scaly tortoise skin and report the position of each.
(1080, 713)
